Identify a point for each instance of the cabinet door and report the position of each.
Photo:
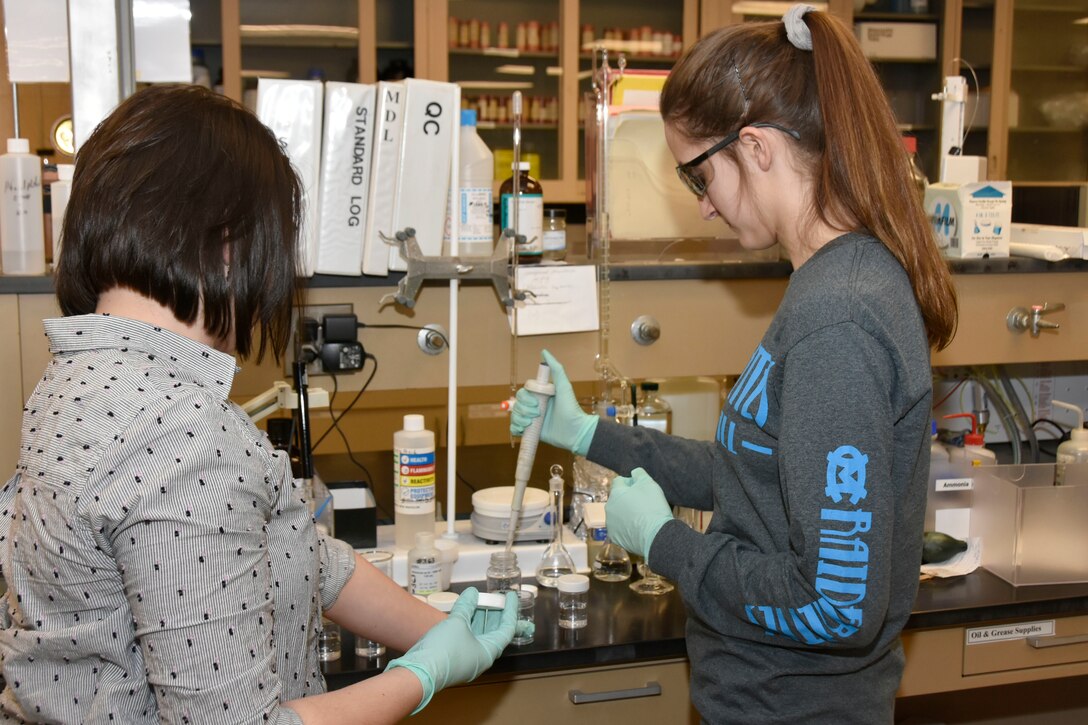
(336, 40)
(1048, 102)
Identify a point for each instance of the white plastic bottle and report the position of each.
(974, 451)
(22, 223)
(424, 565)
(413, 481)
(475, 215)
(1074, 450)
(59, 193)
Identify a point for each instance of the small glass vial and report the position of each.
(573, 601)
(555, 234)
(503, 573)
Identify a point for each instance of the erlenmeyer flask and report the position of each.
(556, 560)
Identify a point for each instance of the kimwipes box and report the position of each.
(971, 220)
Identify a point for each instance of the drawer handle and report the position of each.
(1044, 642)
(652, 689)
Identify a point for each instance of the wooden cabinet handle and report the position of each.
(652, 689)
(1044, 642)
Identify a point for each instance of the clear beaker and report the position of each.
(611, 563)
(650, 583)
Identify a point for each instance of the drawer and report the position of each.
(619, 695)
(1067, 645)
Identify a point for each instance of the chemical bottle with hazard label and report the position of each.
(413, 481)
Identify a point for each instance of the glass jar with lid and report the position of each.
(555, 234)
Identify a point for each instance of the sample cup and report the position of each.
(573, 600)
(383, 562)
(526, 624)
(328, 641)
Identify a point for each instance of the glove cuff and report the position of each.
(585, 435)
(650, 534)
(424, 678)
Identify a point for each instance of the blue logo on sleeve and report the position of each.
(842, 572)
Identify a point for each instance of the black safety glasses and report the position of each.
(688, 171)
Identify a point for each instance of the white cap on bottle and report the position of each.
(18, 146)
(520, 166)
(413, 422)
(65, 172)
(573, 583)
(424, 540)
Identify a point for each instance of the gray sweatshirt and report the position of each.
(798, 590)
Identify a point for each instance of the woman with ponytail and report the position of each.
(799, 588)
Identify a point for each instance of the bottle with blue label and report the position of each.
(413, 481)
(530, 212)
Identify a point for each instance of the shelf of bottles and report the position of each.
(497, 47)
(1048, 119)
(649, 34)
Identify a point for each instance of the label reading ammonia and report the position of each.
(1004, 632)
(413, 480)
(954, 484)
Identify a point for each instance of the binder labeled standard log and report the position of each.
(347, 150)
(431, 113)
(385, 167)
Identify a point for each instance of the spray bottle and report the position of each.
(973, 451)
(1074, 450)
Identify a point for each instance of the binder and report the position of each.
(431, 112)
(347, 150)
(385, 167)
(292, 110)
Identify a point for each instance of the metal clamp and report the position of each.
(645, 330)
(1020, 319)
(652, 689)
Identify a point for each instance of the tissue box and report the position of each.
(971, 220)
(1071, 240)
(897, 41)
(1032, 531)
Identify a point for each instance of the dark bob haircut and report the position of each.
(185, 197)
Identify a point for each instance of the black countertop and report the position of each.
(639, 271)
(625, 627)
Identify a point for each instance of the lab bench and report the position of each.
(631, 658)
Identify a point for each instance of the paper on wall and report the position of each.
(560, 298)
(160, 32)
(37, 38)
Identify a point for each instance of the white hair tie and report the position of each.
(796, 29)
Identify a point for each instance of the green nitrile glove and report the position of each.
(451, 652)
(635, 511)
(566, 425)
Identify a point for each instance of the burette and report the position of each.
(604, 77)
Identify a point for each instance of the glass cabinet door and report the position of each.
(650, 35)
(497, 47)
(1048, 101)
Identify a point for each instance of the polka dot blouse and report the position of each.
(161, 565)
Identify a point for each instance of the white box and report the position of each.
(292, 110)
(431, 111)
(971, 220)
(897, 41)
(389, 117)
(1071, 240)
(347, 148)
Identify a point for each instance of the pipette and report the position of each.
(543, 390)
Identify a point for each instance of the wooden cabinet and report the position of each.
(617, 694)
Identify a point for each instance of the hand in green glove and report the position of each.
(636, 510)
(451, 652)
(566, 425)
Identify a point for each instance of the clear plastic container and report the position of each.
(573, 601)
(653, 411)
(424, 566)
(503, 573)
(59, 193)
(476, 224)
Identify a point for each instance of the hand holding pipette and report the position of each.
(565, 425)
(539, 390)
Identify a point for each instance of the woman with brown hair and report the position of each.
(161, 563)
(800, 586)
